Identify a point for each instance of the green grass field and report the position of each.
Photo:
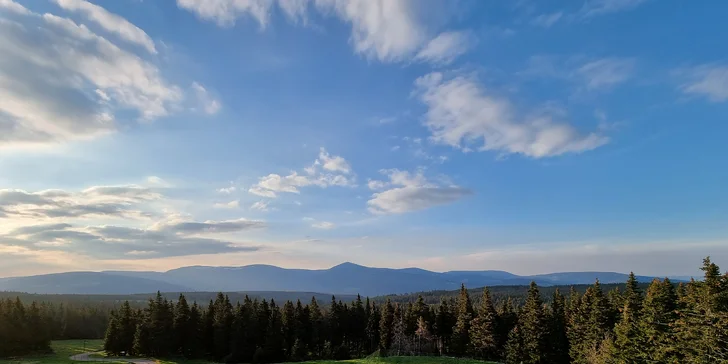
(62, 350)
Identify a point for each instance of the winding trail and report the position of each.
(86, 357)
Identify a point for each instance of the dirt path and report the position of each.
(86, 357)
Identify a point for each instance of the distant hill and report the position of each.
(87, 283)
(346, 278)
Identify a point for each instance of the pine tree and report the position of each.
(659, 312)
(533, 327)
(423, 335)
(702, 326)
(386, 324)
(507, 319)
(461, 330)
(515, 348)
(289, 326)
(274, 340)
(373, 327)
(558, 342)
(316, 343)
(182, 328)
(628, 338)
(111, 339)
(444, 322)
(483, 330)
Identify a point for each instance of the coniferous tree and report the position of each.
(656, 321)
(423, 335)
(628, 341)
(702, 324)
(461, 330)
(373, 327)
(534, 328)
(507, 319)
(558, 342)
(386, 324)
(289, 326)
(515, 348)
(444, 323)
(316, 343)
(274, 340)
(483, 330)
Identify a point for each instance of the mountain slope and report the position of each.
(87, 283)
(346, 278)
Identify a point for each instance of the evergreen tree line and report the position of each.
(29, 327)
(664, 323)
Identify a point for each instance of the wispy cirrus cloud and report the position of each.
(110, 22)
(707, 80)
(389, 31)
(407, 192)
(99, 201)
(117, 242)
(60, 81)
(463, 115)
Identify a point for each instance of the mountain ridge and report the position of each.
(344, 278)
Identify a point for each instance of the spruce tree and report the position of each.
(461, 330)
(373, 328)
(507, 319)
(289, 326)
(386, 324)
(317, 338)
(659, 312)
(533, 327)
(515, 349)
(444, 322)
(558, 342)
(628, 341)
(483, 330)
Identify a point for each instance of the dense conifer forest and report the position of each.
(661, 322)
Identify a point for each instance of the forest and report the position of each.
(661, 322)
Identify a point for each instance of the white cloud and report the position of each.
(110, 22)
(177, 238)
(389, 31)
(234, 204)
(158, 182)
(444, 48)
(461, 114)
(270, 185)
(260, 205)
(334, 164)
(227, 190)
(601, 7)
(60, 81)
(710, 81)
(224, 12)
(208, 104)
(99, 201)
(547, 20)
(324, 225)
(606, 72)
(376, 185)
(413, 192)
(14, 7)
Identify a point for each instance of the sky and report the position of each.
(525, 136)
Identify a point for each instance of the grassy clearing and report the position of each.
(62, 350)
(403, 360)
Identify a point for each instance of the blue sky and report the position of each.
(525, 136)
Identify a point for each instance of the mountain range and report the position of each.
(346, 278)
